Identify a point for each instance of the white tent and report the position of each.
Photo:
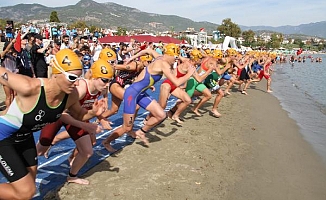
(229, 41)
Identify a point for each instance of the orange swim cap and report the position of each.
(172, 50)
(65, 60)
(107, 54)
(217, 53)
(195, 55)
(146, 58)
(102, 69)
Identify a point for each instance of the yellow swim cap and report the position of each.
(107, 54)
(65, 60)
(146, 58)
(207, 51)
(231, 52)
(172, 49)
(217, 53)
(102, 69)
(196, 55)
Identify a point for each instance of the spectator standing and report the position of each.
(65, 42)
(9, 62)
(183, 52)
(25, 61)
(159, 49)
(38, 60)
(96, 49)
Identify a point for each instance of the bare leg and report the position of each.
(207, 96)
(23, 188)
(117, 96)
(61, 136)
(240, 86)
(230, 84)
(164, 94)
(46, 153)
(72, 156)
(128, 120)
(180, 107)
(158, 116)
(85, 151)
(269, 85)
(218, 99)
(246, 84)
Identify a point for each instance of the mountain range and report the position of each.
(112, 15)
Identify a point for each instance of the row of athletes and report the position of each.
(61, 96)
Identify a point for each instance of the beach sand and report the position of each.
(254, 151)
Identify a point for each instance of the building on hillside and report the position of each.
(195, 37)
(285, 41)
(155, 24)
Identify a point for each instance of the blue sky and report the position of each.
(242, 12)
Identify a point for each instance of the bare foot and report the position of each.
(46, 153)
(216, 114)
(108, 147)
(132, 134)
(169, 114)
(269, 91)
(177, 119)
(226, 93)
(140, 135)
(196, 112)
(71, 159)
(77, 180)
(244, 92)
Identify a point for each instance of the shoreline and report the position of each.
(254, 151)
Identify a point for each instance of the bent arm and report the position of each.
(80, 113)
(7, 48)
(126, 67)
(42, 50)
(176, 81)
(202, 77)
(68, 119)
(23, 85)
(145, 52)
(76, 110)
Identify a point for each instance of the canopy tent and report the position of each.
(229, 41)
(114, 39)
(167, 39)
(140, 38)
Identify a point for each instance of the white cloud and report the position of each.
(250, 13)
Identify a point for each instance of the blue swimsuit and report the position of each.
(136, 93)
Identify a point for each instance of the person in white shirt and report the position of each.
(65, 42)
(96, 49)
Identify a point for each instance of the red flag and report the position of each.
(143, 47)
(18, 43)
(201, 29)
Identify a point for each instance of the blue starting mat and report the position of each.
(53, 172)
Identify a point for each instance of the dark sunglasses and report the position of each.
(111, 62)
(106, 80)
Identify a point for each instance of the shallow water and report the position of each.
(301, 89)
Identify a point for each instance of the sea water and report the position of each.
(301, 90)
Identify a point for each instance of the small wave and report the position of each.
(319, 105)
(295, 85)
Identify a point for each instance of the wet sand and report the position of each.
(254, 151)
